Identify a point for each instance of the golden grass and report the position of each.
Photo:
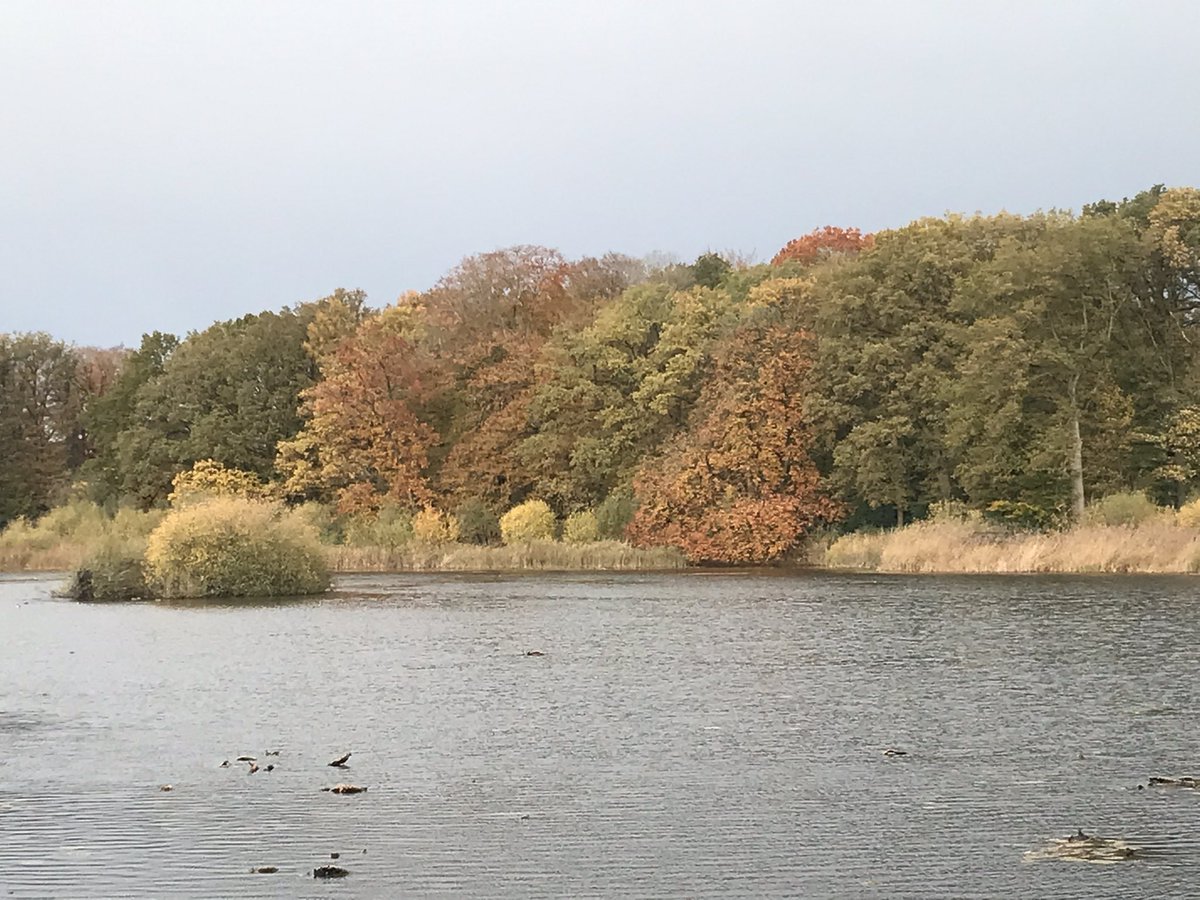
(534, 556)
(1156, 546)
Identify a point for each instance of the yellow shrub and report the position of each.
(581, 528)
(532, 520)
(209, 478)
(434, 526)
(234, 547)
(1121, 509)
(1189, 515)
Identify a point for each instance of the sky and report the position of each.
(164, 165)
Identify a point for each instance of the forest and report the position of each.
(1021, 366)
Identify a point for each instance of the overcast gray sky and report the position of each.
(167, 164)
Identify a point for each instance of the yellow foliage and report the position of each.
(532, 520)
(581, 528)
(1189, 515)
(434, 526)
(209, 478)
(235, 547)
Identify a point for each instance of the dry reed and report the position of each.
(1156, 546)
(534, 556)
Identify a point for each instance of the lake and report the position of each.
(684, 735)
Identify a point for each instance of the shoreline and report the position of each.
(1157, 547)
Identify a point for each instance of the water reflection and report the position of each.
(683, 735)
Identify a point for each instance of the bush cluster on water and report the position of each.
(114, 570)
(235, 547)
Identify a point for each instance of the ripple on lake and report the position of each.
(684, 735)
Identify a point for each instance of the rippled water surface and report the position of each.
(683, 735)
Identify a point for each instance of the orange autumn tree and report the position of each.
(822, 242)
(738, 486)
(362, 440)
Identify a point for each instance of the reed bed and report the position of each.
(1157, 546)
(533, 556)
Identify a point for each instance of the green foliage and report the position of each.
(1019, 515)
(40, 431)
(532, 520)
(113, 412)
(477, 524)
(614, 514)
(233, 547)
(1122, 509)
(581, 527)
(710, 269)
(229, 393)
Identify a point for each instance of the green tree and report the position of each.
(40, 428)
(228, 393)
(1063, 302)
(111, 413)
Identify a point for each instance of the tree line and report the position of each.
(1027, 363)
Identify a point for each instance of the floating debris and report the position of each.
(264, 870)
(330, 872)
(270, 767)
(892, 751)
(340, 762)
(166, 787)
(345, 789)
(334, 855)
(253, 768)
(1080, 847)
(247, 759)
(224, 765)
(534, 653)
(1185, 781)
(271, 753)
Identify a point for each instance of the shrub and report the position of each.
(390, 527)
(209, 478)
(113, 571)
(1189, 514)
(532, 520)
(615, 513)
(79, 519)
(234, 547)
(581, 528)
(434, 526)
(1121, 509)
(477, 524)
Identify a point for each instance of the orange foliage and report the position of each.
(370, 441)
(738, 486)
(822, 242)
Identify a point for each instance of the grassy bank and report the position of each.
(1158, 546)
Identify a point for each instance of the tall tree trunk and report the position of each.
(1077, 499)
